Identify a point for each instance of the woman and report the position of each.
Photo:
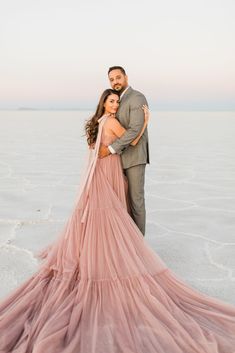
(101, 289)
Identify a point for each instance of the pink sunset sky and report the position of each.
(55, 54)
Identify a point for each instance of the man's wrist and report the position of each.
(111, 149)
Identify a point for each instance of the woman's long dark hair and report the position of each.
(91, 126)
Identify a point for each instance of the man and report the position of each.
(134, 158)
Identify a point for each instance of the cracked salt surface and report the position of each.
(190, 192)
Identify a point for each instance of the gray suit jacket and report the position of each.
(131, 117)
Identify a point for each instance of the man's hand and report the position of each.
(103, 151)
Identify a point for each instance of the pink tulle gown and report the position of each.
(101, 289)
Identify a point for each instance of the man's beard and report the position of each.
(119, 90)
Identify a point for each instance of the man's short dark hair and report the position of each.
(117, 68)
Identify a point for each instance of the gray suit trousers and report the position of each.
(136, 178)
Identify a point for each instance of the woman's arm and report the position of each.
(146, 120)
(119, 130)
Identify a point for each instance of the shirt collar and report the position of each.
(124, 92)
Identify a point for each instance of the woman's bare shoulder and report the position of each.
(112, 122)
(115, 126)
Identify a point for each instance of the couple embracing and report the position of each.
(101, 288)
(130, 137)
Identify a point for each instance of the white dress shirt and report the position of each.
(110, 147)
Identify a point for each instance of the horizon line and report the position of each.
(91, 109)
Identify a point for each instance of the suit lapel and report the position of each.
(126, 95)
(121, 113)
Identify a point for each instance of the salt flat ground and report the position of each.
(190, 192)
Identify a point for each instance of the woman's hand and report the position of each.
(146, 120)
(146, 113)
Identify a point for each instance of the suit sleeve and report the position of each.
(135, 125)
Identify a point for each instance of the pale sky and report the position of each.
(56, 53)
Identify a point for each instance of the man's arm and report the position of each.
(135, 125)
